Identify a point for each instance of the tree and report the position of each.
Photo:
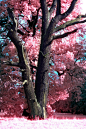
(37, 98)
(74, 80)
(78, 103)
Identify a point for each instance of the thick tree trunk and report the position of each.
(25, 69)
(42, 85)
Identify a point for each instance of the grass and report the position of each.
(58, 121)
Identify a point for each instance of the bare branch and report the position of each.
(64, 35)
(24, 28)
(69, 23)
(64, 15)
(15, 80)
(58, 11)
(20, 32)
(53, 6)
(11, 63)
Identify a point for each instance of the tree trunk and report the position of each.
(42, 85)
(26, 77)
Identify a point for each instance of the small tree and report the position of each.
(37, 99)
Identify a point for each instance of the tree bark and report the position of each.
(42, 85)
(26, 77)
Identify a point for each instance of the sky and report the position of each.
(83, 6)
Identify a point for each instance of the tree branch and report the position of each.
(24, 28)
(13, 18)
(61, 36)
(69, 23)
(64, 15)
(53, 6)
(64, 35)
(15, 80)
(11, 63)
(44, 16)
(58, 11)
(20, 32)
(58, 18)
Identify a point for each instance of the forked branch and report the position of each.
(61, 36)
(53, 6)
(69, 23)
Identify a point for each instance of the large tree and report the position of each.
(37, 98)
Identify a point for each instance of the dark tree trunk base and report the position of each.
(27, 114)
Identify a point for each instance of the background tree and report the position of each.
(74, 80)
(50, 25)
